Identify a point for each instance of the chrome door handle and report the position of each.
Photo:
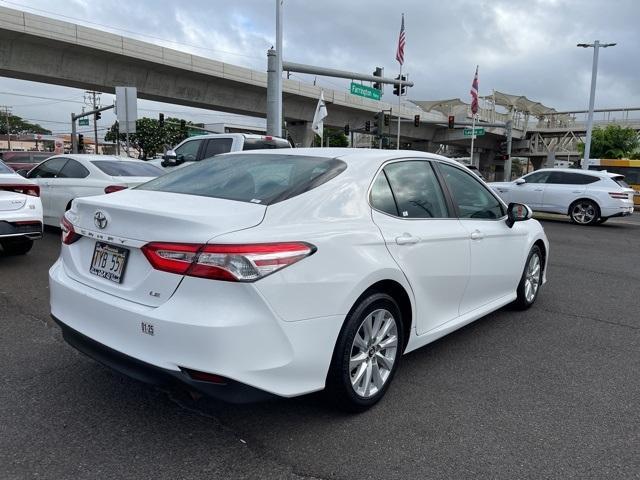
(477, 235)
(407, 239)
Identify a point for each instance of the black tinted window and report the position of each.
(473, 199)
(570, 178)
(416, 190)
(73, 169)
(259, 143)
(620, 181)
(117, 168)
(381, 196)
(537, 177)
(217, 146)
(263, 179)
(48, 169)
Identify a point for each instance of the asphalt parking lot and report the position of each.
(553, 392)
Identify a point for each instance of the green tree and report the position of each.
(149, 139)
(18, 126)
(337, 138)
(613, 141)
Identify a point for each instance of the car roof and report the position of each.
(234, 134)
(90, 157)
(595, 173)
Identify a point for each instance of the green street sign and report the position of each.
(364, 91)
(469, 132)
(83, 122)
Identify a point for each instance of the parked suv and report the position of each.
(197, 148)
(587, 197)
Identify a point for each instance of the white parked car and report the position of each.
(20, 212)
(197, 148)
(63, 178)
(588, 197)
(287, 272)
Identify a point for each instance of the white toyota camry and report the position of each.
(282, 273)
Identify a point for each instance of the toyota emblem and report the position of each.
(100, 220)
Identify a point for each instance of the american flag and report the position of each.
(474, 93)
(401, 42)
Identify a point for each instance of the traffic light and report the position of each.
(367, 126)
(387, 119)
(80, 142)
(379, 119)
(452, 121)
(183, 125)
(400, 90)
(98, 115)
(346, 129)
(161, 120)
(416, 120)
(378, 73)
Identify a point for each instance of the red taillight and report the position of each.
(234, 263)
(114, 188)
(69, 235)
(619, 195)
(33, 190)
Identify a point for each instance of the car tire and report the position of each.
(367, 353)
(531, 280)
(584, 212)
(17, 246)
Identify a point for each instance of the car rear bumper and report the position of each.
(29, 229)
(229, 390)
(623, 211)
(225, 329)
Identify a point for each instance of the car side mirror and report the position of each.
(520, 181)
(23, 172)
(169, 159)
(518, 212)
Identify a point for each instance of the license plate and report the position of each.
(109, 261)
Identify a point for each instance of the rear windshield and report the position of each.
(263, 179)
(620, 181)
(127, 169)
(259, 143)
(4, 168)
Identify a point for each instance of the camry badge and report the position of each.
(100, 220)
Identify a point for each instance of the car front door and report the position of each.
(531, 191)
(496, 250)
(426, 241)
(43, 175)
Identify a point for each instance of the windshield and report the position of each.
(261, 178)
(4, 168)
(620, 181)
(117, 168)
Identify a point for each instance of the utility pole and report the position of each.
(594, 73)
(7, 112)
(94, 101)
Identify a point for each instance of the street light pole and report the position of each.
(594, 73)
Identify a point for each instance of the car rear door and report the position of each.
(428, 244)
(563, 188)
(216, 146)
(497, 251)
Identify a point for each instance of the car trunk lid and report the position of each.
(116, 226)
(10, 201)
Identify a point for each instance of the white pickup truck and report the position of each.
(197, 148)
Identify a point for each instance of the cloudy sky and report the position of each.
(525, 47)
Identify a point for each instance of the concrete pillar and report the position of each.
(551, 160)
(301, 133)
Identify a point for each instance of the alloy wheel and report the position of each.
(373, 353)
(583, 213)
(532, 278)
